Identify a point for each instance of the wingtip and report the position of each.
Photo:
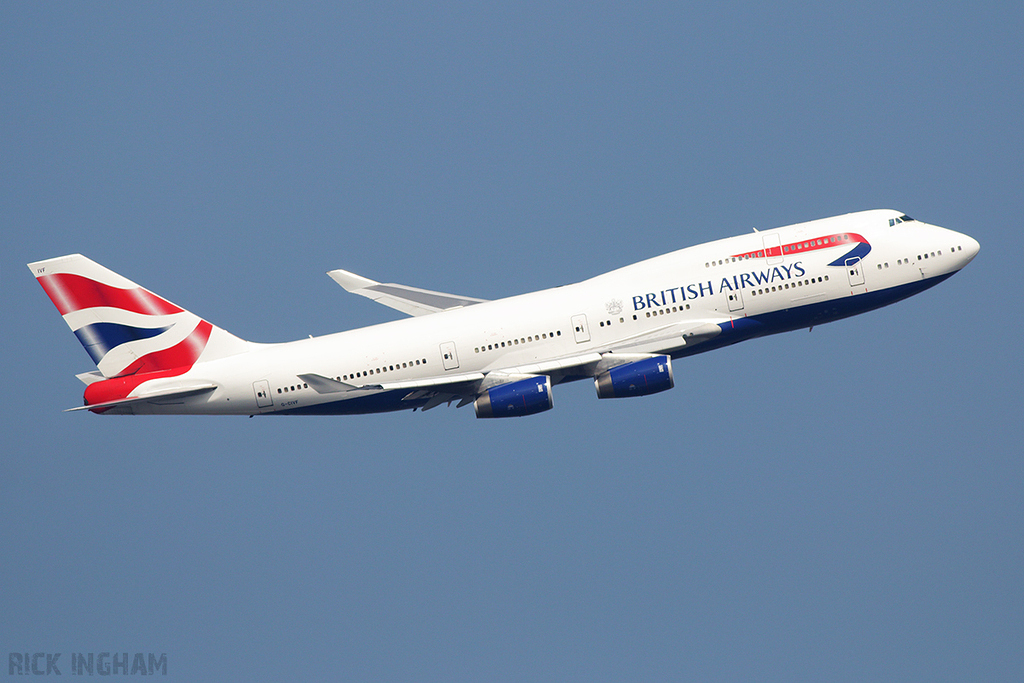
(350, 281)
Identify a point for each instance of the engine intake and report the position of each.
(515, 399)
(639, 378)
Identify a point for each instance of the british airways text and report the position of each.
(698, 290)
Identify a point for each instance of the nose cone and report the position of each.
(965, 250)
(971, 249)
(961, 248)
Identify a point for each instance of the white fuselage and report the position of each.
(720, 293)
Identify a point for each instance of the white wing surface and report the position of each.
(408, 300)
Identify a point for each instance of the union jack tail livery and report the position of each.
(128, 331)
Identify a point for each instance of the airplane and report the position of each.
(621, 329)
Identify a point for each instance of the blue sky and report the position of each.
(845, 504)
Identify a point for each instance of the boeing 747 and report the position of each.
(621, 329)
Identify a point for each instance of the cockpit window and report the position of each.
(902, 219)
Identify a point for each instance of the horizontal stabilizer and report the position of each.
(163, 395)
(408, 300)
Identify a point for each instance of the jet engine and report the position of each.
(514, 399)
(639, 378)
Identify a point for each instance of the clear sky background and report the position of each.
(845, 504)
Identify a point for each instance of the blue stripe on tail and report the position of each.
(99, 338)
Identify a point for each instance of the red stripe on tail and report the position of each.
(70, 292)
(182, 355)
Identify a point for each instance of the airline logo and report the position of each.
(127, 331)
(855, 247)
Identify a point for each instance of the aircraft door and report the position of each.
(735, 300)
(262, 391)
(773, 248)
(854, 270)
(449, 358)
(580, 329)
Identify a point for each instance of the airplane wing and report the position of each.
(463, 386)
(466, 387)
(408, 300)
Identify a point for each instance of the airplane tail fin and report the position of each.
(125, 328)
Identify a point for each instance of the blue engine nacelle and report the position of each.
(639, 378)
(513, 399)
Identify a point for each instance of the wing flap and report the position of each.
(446, 388)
